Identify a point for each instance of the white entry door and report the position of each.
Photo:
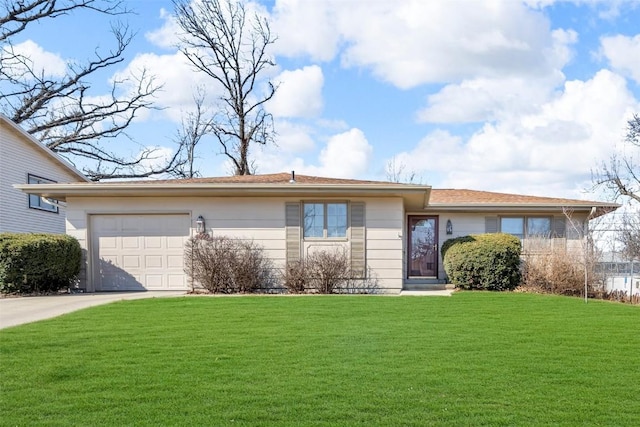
(138, 252)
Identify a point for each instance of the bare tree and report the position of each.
(629, 236)
(621, 176)
(221, 41)
(60, 110)
(195, 125)
(395, 172)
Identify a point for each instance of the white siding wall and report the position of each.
(18, 158)
(260, 219)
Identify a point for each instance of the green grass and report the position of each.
(472, 359)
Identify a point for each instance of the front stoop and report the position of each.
(426, 287)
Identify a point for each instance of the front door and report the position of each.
(423, 246)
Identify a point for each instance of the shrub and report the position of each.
(295, 277)
(556, 270)
(224, 265)
(327, 272)
(484, 261)
(38, 262)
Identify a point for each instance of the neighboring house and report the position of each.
(619, 274)
(134, 232)
(24, 160)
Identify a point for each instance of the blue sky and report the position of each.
(511, 96)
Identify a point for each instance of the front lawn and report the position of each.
(472, 359)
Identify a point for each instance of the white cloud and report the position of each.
(293, 137)
(299, 93)
(40, 61)
(623, 54)
(167, 35)
(306, 28)
(545, 152)
(177, 78)
(346, 155)
(413, 42)
(478, 100)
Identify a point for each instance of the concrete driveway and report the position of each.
(16, 311)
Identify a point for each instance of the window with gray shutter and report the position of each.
(491, 224)
(292, 226)
(358, 256)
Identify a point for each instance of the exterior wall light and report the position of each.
(449, 227)
(200, 225)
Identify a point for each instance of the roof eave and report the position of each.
(414, 197)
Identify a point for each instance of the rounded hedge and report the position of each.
(483, 261)
(38, 262)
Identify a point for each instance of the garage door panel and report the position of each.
(174, 242)
(131, 242)
(174, 261)
(176, 281)
(153, 242)
(109, 242)
(131, 261)
(153, 261)
(147, 257)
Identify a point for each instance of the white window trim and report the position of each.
(35, 179)
(324, 227)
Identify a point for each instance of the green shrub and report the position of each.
(484, 261)
(38, 262)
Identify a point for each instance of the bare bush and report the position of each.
(327, 272)
(555, 270)
(295, 278)
(224, 265)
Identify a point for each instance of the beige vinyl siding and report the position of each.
(18, 158)
(384, 221)
(261, 219)
(257, 219)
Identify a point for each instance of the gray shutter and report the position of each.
(292, 226)
(358, 256)
(491, 224)
(559, 226)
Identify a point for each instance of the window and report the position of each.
(37, 202)
(325, 220)
(522, 227)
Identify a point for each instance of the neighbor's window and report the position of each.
(526, 226)
(37, 202)
(325, 220)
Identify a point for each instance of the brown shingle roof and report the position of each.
(274, 178)
(455, 197)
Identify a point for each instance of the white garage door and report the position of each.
(138, 252)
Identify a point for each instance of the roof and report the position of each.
(459, 199)
(416, 197)
(43, 148)
(273, 178)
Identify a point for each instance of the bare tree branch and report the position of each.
(221, 41)
(195, 125)
(621, 174)
(62, 111)
(15, 15)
